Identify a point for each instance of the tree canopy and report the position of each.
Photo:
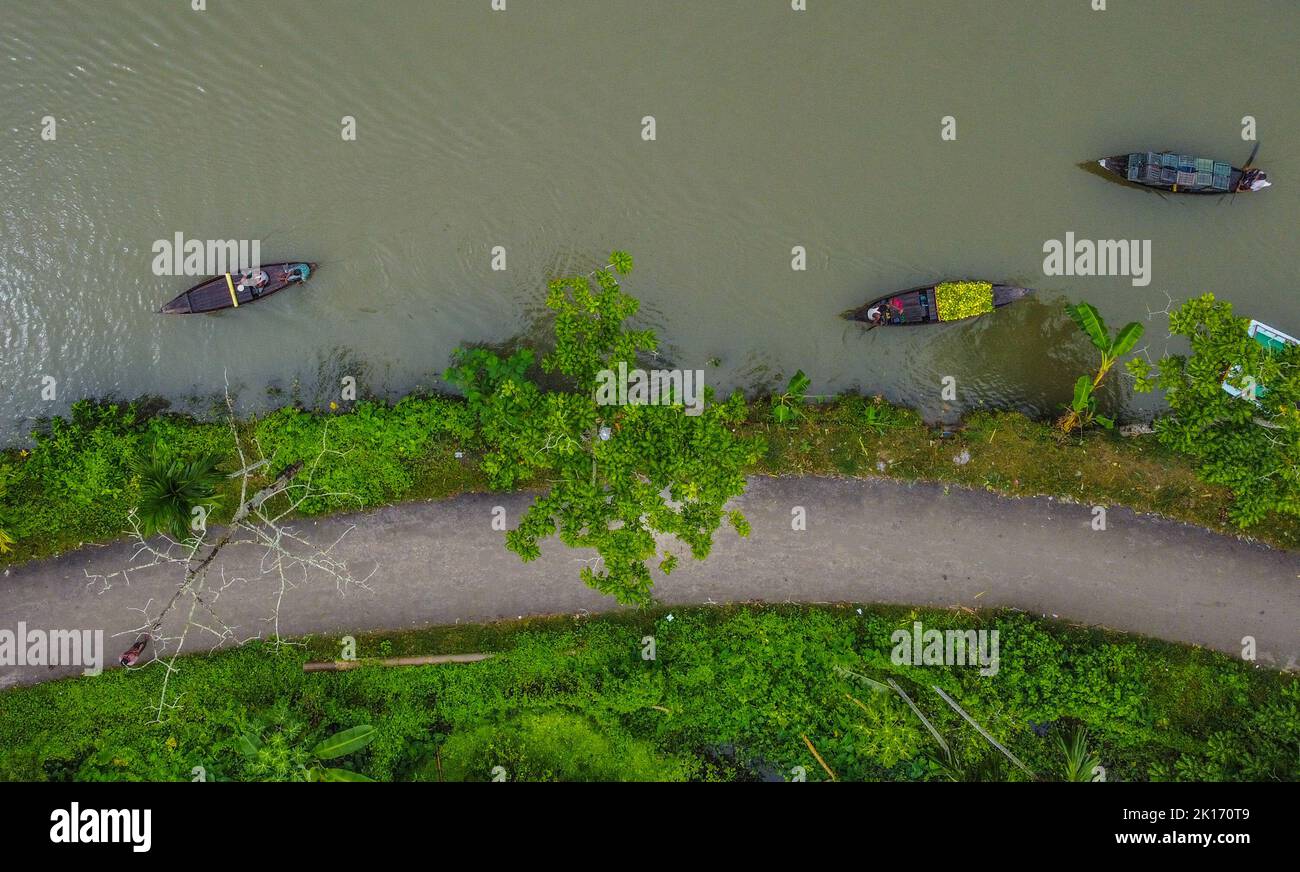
(1248, 443)
(621, 477)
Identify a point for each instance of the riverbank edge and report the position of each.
(848, 436)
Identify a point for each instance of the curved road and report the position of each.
(866, 541)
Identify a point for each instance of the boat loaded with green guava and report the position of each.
(933, 304)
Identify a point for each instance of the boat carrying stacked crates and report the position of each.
(1183, 170)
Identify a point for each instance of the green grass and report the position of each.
(731, 695)
(75, 487)
(1009, 454)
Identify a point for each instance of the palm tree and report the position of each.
(169, 491)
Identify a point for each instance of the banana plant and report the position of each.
(338, 745)
(787, 407)
(1082, 410)
(341, 744)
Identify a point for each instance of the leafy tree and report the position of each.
(1082, 410)
(620, 475)
(1250, 444)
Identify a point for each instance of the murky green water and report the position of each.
(523, 129)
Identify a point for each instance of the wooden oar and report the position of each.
(1250, 160)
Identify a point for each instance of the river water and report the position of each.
(523, 129)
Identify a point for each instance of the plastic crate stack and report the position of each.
(1136, 165)
(1144, 167)
(1168, 168)
(1184, 170)
(1151, 172)
(1222, 173)
(1204, 172)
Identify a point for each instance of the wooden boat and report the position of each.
(1273, 340)
(230, 291)
(936, 303)
(1184, 174)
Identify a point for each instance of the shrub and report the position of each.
(1251, 447)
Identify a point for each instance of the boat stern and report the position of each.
(178, 306)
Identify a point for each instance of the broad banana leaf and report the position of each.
(1082, 393)
(342, 775)
(1127, 337)
(1089, 321)
(345, 742)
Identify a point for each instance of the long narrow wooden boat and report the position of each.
(232, 290)
(1184, 173)
(941, 302)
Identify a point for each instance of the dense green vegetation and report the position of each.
(732, 693)
(1250, 444)
(617, 474)
(78, 483)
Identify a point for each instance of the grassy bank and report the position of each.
(731, 694)
(75, 486)
(1006, 453)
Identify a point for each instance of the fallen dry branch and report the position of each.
(260, 523)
